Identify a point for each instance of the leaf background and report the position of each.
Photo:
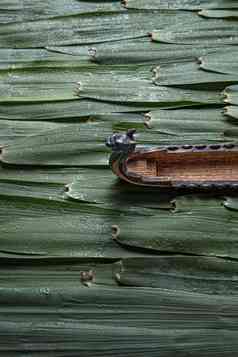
(168, 283)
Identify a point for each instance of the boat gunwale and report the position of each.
(155, 181)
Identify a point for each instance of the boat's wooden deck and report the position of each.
(215, 166)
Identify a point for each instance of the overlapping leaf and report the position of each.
(180, 4)
(26, 10)
(86, 29)
(220, 32)
(191, 124)
(180, 273)
(210, 233)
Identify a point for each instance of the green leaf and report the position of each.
(78, 235)
(12, 130)
(231, 111)
(145, 51)
(231, 95)
(223, 62)
(28, 10)
(190, 73)
(63, 110)
(180, 273)
(41, 58)
(190, 124)
(86, 29)
(141, 92)
(57, 84)
(71, 145)
(218, 14)
(210, 233)
(219, 32)
(181, 4)
(107, 191)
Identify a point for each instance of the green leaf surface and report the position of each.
(191, 231)
(81, 321)
(107, 191)
(223, 62)
(78, 235)
(11, 130)
(145, 51)
(142, 92)
(190, 124)
(86, 29)
(76, 110)
(220, 32)
(180, 273)
(41, 58)
(28, 10)
(58, 84)
(231, 111)
(180, 4)
(53, 175)
(231, 95)
(71, 145)
(218, 14)
(190, 73)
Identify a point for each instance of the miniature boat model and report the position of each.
(174, 166)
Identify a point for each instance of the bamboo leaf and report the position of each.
(81, 235)
(212, 233)
(107, 191)
(85, 29)
(231, 111)
(220, 32)
(53, 175)
(41, 58)
(218, 14)
(64, 110)
(190, 124)
(180, 273)
(145, 51)
(51, 84)
(231, 95)
(190, 73)
(142, 92)
(28, 10)
(73, 145)
(180, 5)
(12, 130)
(220, 63)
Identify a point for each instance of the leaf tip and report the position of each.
(156, 73)
(147, 120)
(115, 231)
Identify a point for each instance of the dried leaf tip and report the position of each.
(124, 3)
(115, 231)
(147, 120)
(156, 72)
(87, 277)
(92, 52)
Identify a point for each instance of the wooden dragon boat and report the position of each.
(213, 166)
